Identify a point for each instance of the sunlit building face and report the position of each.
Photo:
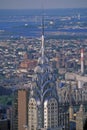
(32, 114)
(51, 113)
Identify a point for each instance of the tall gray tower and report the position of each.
(43, 100)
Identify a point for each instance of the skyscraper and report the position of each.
(20, 109)
(39, 109)
(43, 100)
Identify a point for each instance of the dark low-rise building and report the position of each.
(5, 124)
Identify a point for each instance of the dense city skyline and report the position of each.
(36, 4)
(43, 66)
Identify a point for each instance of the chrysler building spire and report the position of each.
(42, 47)
(43, 59)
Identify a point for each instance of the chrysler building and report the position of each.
(43, 99)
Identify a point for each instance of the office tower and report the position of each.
(43, 100)
(20, 109)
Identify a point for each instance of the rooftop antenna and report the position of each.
(42, 38)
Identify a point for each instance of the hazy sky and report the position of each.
(29, 4)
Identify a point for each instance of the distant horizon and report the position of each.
(51, 11)
(41, 9)
(39, 12)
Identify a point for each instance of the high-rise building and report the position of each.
(39, 110)
(22, 103)
(20, 109)
(43, 101)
